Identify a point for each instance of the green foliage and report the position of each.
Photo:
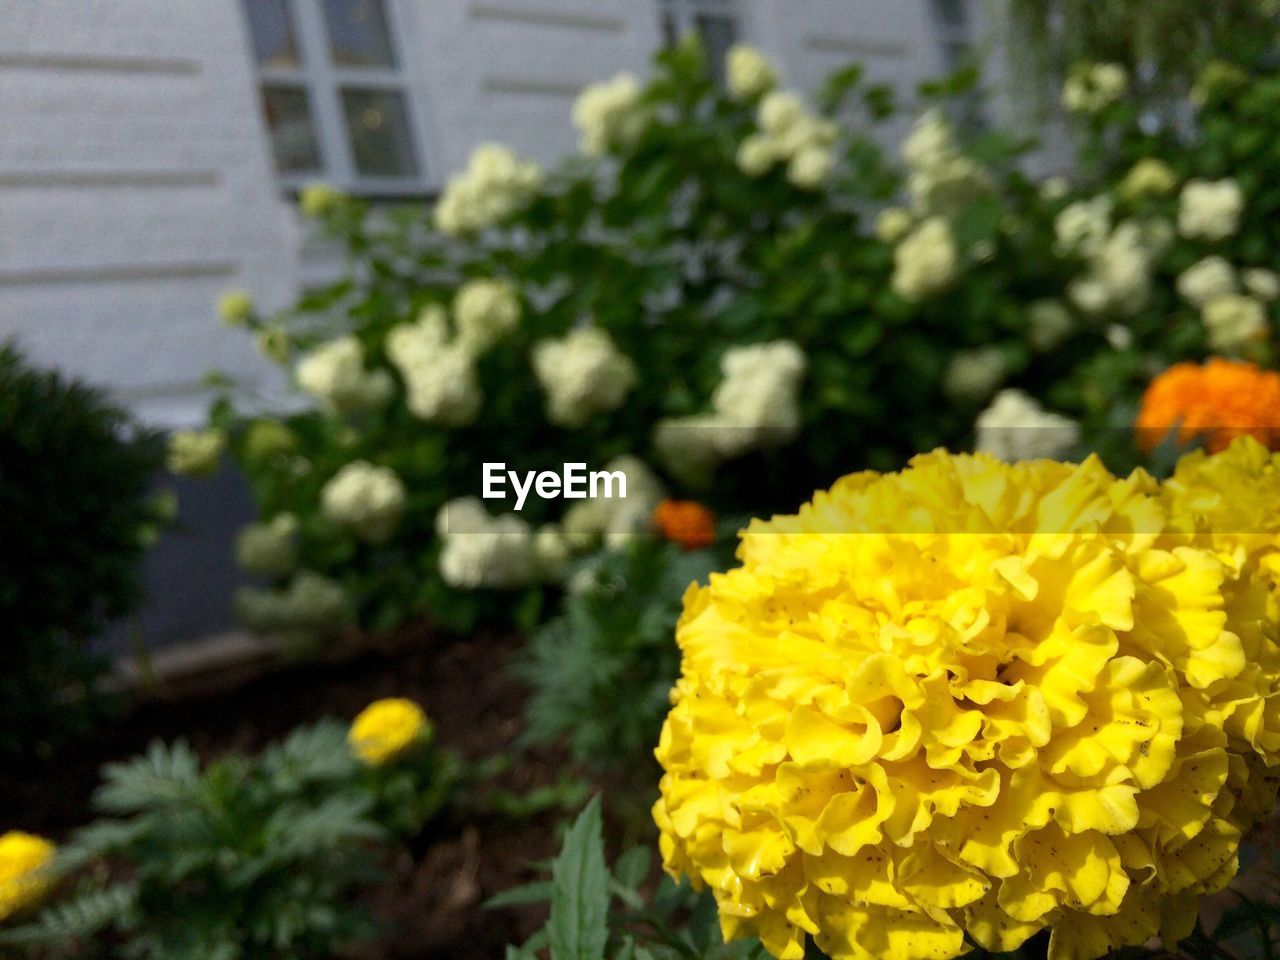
(74, 478)
(251, 857)
(1168, 40)
(601, 672)
(598, 914)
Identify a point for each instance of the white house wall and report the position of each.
(135, 170)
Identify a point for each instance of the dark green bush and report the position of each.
(75, 515)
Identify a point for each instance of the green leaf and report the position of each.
(519, 896)
(578, 928)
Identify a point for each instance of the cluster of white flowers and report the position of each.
(893, 223)
(1092, 87)
(485, 311)
(925, 261)
(1015, 428)
(973, 375)
(611, 115)
(439, 374)
(1262, 283)
(366, 499)
(1206, 280)
(1149, 177)
(269, 549)
(334, 372)
(1210, 209)
(195, 453)
(756, 405)
(1082, 227)
(941, 180)
(498, 552)
(495, 185)
(616, 519)
(1119, 277)
(789, 133)
(311, 607)
(1233, 320)
(582, 374)
(1048, 324)
(748, 72)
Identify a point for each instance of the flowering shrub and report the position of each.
(1021, 697)
(698, 293)
(249, 857)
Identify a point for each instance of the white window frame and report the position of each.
(323, 82)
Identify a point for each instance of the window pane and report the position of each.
(293, 135)
(718, 35)
(358, 35)
(379, 132)
(950, 12)
(272, 28)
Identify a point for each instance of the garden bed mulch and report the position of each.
(433, 900)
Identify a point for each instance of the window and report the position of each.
(952, 24)
(716, 21)
(334, 94)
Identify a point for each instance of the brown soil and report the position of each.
(433, 900)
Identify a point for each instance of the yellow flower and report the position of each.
(24, 872)
(235, 307)
(385, 729)
(970, 700)
(319, 200)
(196, 453)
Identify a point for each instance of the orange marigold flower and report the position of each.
(1217, 402)
(686, 522)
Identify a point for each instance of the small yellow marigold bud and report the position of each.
(386, 729)
(24, 872)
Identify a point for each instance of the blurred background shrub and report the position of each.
(76, 516)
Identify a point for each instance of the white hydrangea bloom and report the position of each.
(941, 179)
(1210, 209)
(195, 453)
(1148, 177)
(484, 551)
(582, 374)
(925, 261)
(893, 223)
(334, 372)
(789, 133)
(1016, 428)
(1206, 280)
(1262, 283)
(973, 375)
(1094, 87)
(617, 519)
(689, 448)
(610, 115)
(552, 551)
(748, 72)
(758, 402)
(810, 167)
(495, 185)
(1082, 227)
(235, 307)
(268, 549)
(366, 499)
(1054, 188)
(1049, 323)
(439, 375)
(757, 154)
(1119, 337)
(1233, 320)
(485, 311)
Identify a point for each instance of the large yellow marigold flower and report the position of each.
(386, 729)
(973, 698)
(24, 872)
